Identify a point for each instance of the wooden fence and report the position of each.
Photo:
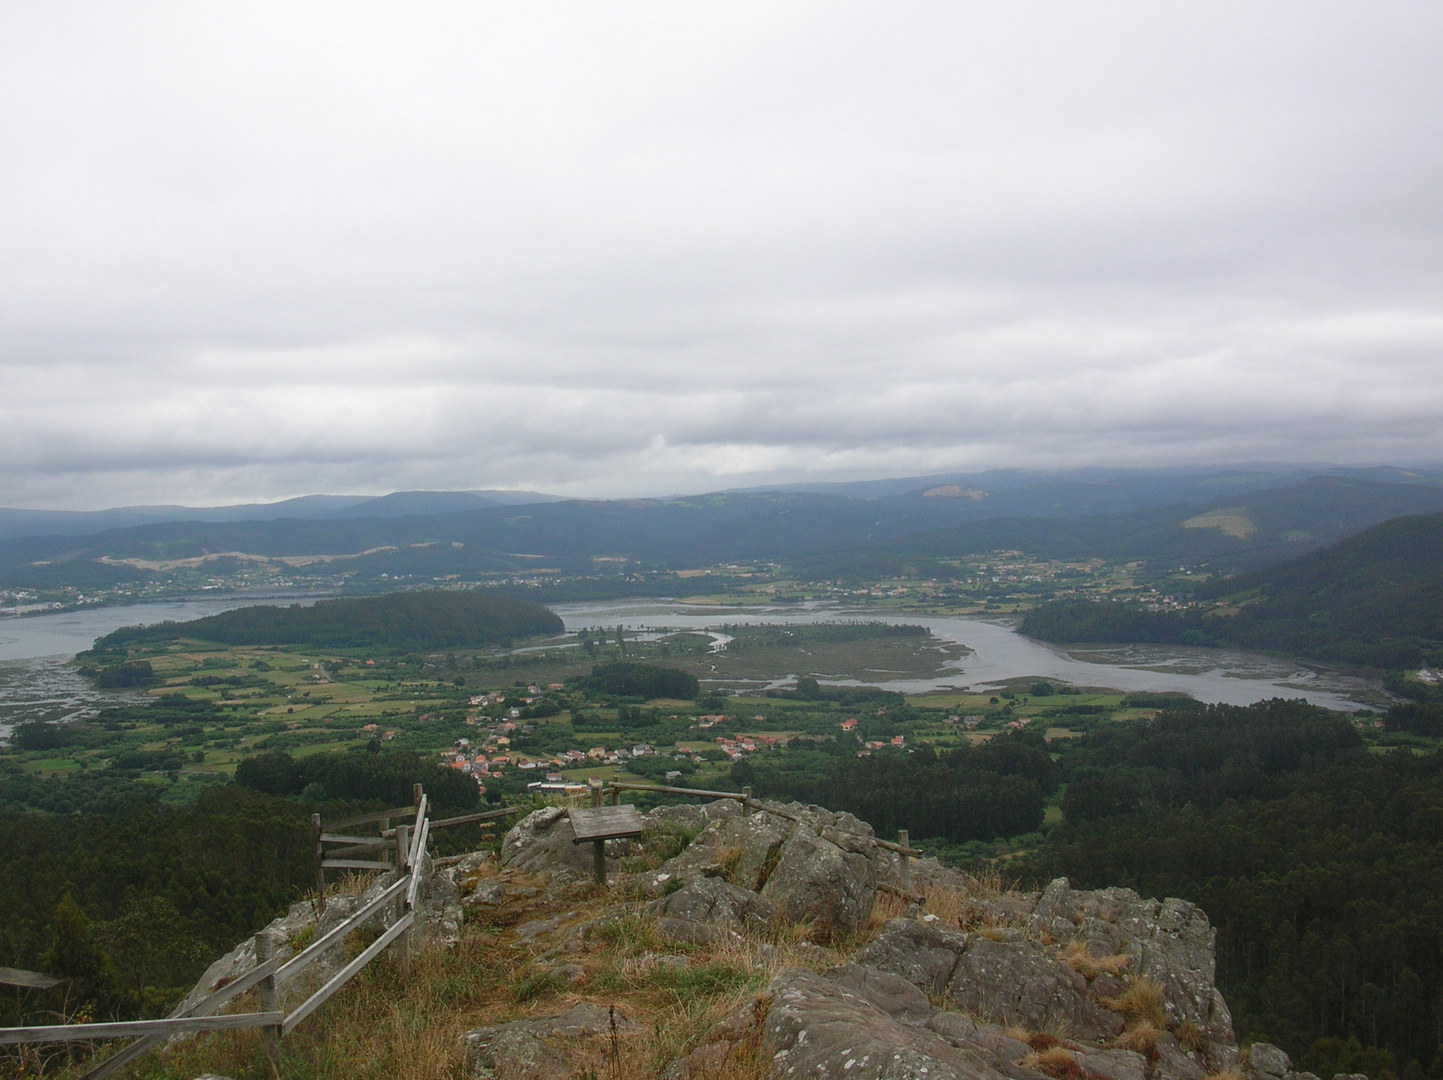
(408, 841)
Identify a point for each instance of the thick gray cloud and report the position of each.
(256, 250)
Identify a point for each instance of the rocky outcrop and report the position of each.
(542, 843)
(710, 911)
(540, 1047)
(813, 866)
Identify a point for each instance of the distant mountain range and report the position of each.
(28, 523)
(1233, 520)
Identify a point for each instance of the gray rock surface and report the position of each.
(537, 1046)
(891, 994)
(817, 1027)
(709, 911)
(1024, 983)
(1169, 941)
(541, 844)
(831, 885)
(924, 952)
(1114, 1064)
(1269, 1060)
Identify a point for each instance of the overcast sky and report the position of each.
(255, 250)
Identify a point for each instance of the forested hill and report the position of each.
(1375, 600)
(405, 620)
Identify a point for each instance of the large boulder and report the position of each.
(709, 911)
(809, 1025)
(892, 994)
(924, 952)
(542, 843)
(1170, 942)
(1023, 983)
(828, 882)
(539, 1047)
(744, 850)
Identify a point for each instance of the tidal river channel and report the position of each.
(38, 678)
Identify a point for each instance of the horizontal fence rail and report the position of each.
(180, 1026)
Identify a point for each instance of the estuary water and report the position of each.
(998, 653)
(38, 679)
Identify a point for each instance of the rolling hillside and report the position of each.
(1372, 600)
(823, 535)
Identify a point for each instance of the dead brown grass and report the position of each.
(1140, 1002)
(988, 884)
(887, 906)
(1140, 1037)
(1190, 1037)
(1090, 967)
(1056, 1062)
(946, 902)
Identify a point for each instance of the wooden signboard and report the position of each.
(600, 824)
(605, 823)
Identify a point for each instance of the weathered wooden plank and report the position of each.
(296, 964)
(421, 806)
(353, 864)
(358, 849)
(910, 852)
(627, 785)
(31, 980)
(336, 838)
(605, 823)
(416, 852)
(916, 898)
(344, 975)
(177, 1026)
(366, 819)
(466, 819)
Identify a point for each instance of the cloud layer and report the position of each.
(260, 250)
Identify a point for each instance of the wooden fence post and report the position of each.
(402, 955)
(746, 801)
(320, 861)
(266, 994)
(598, 847)
(904, 868)
(415, 794)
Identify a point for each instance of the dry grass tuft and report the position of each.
(946, 902)
(1190, 1037)
(987, 885)
(1056, 1062)
(1225, 1074)
(1090, 967)
(1021, 1034)
(1140, 1002)
(993, 933)
(887, 906)
(1140, 1037)
(1041, 1040)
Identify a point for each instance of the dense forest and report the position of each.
(972, 793)
(624, 678)
(129, 899)
(1374, 600)
(397, 621)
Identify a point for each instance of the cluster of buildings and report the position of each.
(742, 745)
(967, 723)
